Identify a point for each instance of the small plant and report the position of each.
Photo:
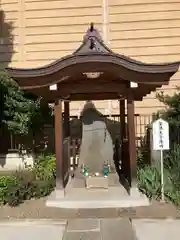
(149, 181)
(43, 188)
(44, 167)
(34, 182)
(172, 158)
(142, 157)
(6, 182)
(149, 177)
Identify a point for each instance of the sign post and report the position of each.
(161, 143)
(162, 176)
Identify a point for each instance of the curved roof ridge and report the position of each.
(122, 60)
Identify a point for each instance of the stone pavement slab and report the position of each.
(31, 230)
(82, 236)
(80, 225)
(99, 229)
(157, 229)
(117, 229)
(83, 229)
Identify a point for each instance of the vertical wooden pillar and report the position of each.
(122, 119)
(131, 139)
(59, 144)
(66, 119)
(123, 136)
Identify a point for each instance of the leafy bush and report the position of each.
(149, 177)
(35, 182)
(172, 163)
(172, 158)
(142, 157)
(149, 181)
(18, 193)
(44, 167)
(6, 182)
(43, 188)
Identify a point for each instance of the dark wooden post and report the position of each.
(74, 153)
(122, 119)
(123, 135)
(131, 140)
(66, 119)
(59, 144)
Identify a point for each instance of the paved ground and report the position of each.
(140, 223)
(31, 230)
(37, 210)
(157, 229)
(99, 229)
(92, 229)
(122, 229)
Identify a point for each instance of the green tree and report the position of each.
(171, 113)
(21, 113)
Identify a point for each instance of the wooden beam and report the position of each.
(91, 88)
(123, 136)
(94, 96)
(93, 91)
(59, 144)
(66, 119)
(122, 118)
(131, 139)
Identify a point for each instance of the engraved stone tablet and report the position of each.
(97, 146)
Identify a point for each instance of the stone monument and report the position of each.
(97, 146)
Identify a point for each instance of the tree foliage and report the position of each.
(21, 113)
(172, 110)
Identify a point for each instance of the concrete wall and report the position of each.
(13, 161)
(44, 30)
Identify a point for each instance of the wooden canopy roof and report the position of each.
(111, 79)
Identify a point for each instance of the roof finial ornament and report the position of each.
(92, 35)
(91, 27)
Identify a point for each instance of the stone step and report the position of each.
(99, 229)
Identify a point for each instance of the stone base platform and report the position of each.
(77, 196)
(96, 182)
